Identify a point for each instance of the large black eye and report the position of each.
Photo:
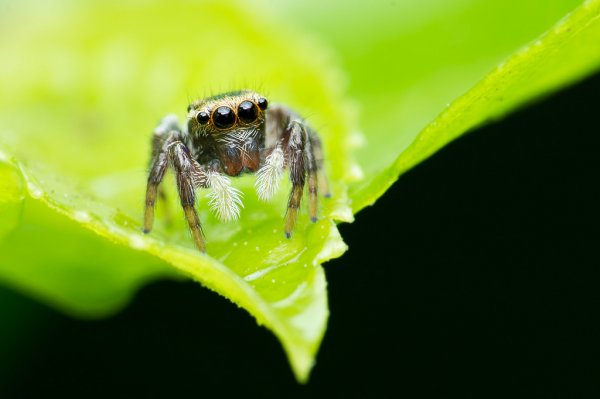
(202, 117)
(262, 103)
(223, 117)
(247, 111)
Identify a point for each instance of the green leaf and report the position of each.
(11, 198)
(84, 85)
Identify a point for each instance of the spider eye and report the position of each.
(202, 118)
(223, 117)
(262, 103)
(247, 111)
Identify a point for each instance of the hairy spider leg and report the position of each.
(169, 150)
(317, 148)
(311, 170)
(163, 135)
(285, 129)
(299, 157)
(189, 175)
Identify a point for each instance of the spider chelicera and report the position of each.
(230, 134)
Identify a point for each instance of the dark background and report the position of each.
(476, 275)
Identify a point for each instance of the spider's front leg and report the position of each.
(168, 149)
(291, 142)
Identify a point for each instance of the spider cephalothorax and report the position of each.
(226, 135)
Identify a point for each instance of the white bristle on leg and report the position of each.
(269, 176)
(224, 200)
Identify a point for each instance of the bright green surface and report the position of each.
(83, 86)
(82, 91)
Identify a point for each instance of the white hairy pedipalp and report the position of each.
(224, 200)
(269, 176)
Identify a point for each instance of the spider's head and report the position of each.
(226, 112)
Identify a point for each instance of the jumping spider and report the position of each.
(226, 135)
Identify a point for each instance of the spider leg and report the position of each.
(301, 162)
(188, 175)
(225, 200)
(315, 142)
(312, 171)
(163, 135)
(303, 156)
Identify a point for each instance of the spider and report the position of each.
(230, 134)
